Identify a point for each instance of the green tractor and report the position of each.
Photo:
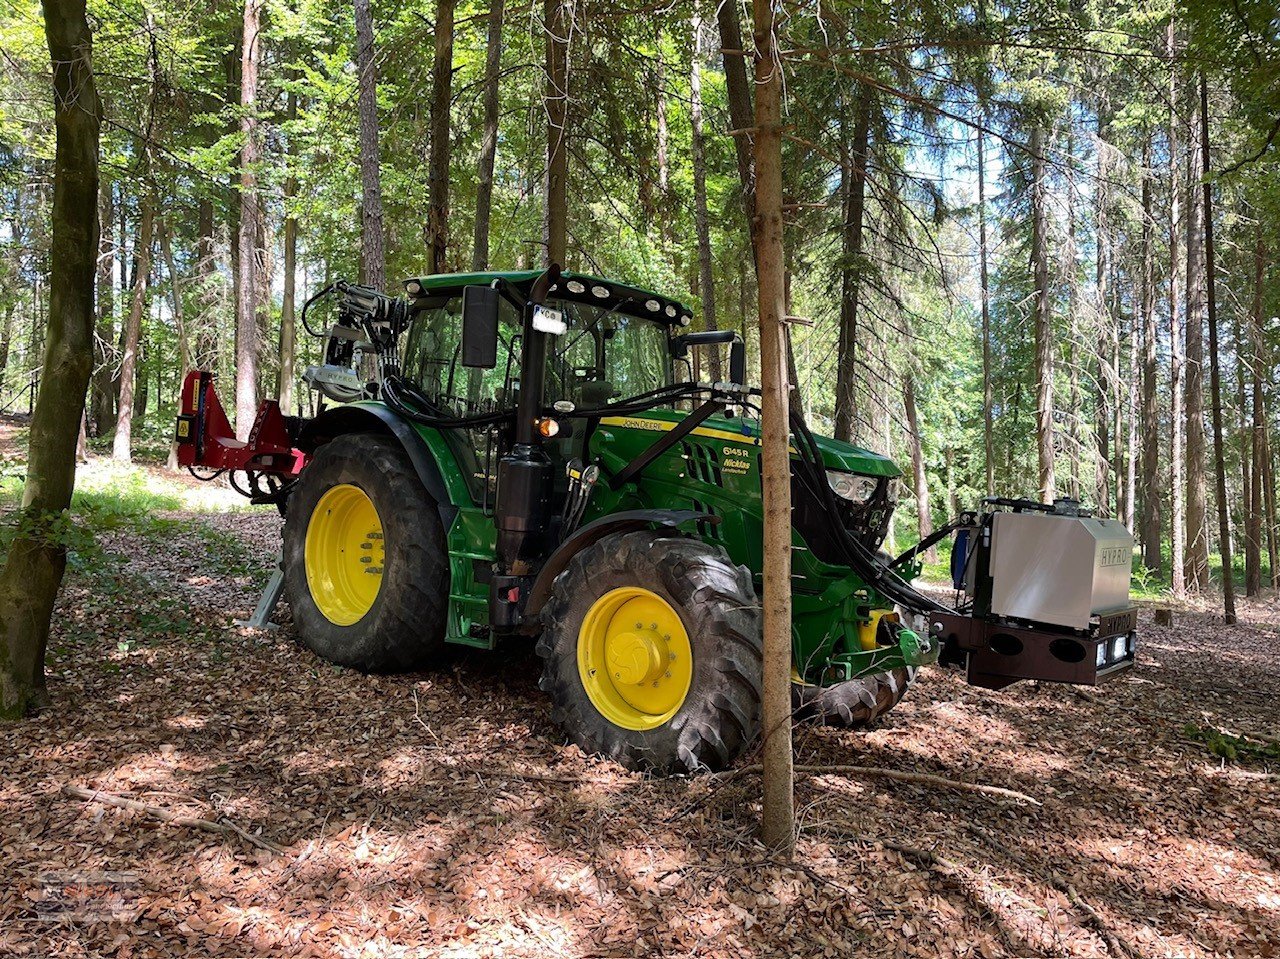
(528, 454)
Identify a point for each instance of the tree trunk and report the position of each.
(1043, 321)
(778, 821)
(185, 360)
(1105, 345)
(1151, 520)
(920, 479)
(988, 435)
(1253, 522)
(206, 332)
(853, 180)
(37, 556)
(438, 168)
(488, 138)
(1131, 454)
(373, 255)
(288, 300)
(1215, 380)
(102, 404)
(1177, 346)
(247, 285)
(706, 277)
(1197, 537)
(664, 136)
(556, 101)
(738, 93)
(121, 445)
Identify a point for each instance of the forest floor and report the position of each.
(440, 814)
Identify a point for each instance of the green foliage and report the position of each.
(1229, 747)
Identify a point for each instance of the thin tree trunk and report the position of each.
(1104, 372)
(988, 433)
(102, 403)
(738, 94)
(121, 445)
(1075, 420)
(1269, 498)
(706, 277)
(1253, 522)
(373, 255)
(556, 102)
(1131, 455)
(488, 138)
(920, 479)
(1151, 520)
(288, 301)
(778, 821)
(247, 283)
(664, 134)
(853, 179)
(37, 555)
(185, 360)
(206, 332)
(438, 167)
(1215, 380)
(1177, 346)
(1197, 537)
(1043, 320)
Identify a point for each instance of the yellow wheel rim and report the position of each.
(344, 554)
(635, 658)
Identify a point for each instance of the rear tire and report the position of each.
(852, 704)
(718, 623)
(392, 625)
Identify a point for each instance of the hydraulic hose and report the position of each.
(859, 558)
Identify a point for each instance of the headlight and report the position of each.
(1102, 655)
(1118, 647)
(850, 486)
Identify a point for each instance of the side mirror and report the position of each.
(479, 327)
(737, 350)
(738, 361)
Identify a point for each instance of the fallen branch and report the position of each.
(963, 878)
(1117, 946)
(223, 827)
(924, 779)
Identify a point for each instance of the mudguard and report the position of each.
(596, 530)
(376, 418)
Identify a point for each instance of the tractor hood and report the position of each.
(836, 455)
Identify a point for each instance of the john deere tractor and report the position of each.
(522, 455)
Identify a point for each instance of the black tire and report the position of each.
(854, 703)
(717, 604)
(405, 627)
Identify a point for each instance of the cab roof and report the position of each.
(594, 289)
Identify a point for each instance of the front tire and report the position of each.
(651, 651)
(364, 558)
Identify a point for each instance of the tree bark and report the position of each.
(555, 100)
(1215, 380)
(920, 479)
(988, 433)
(1196, 565)
(1151, 520)
(121, 444)
(37, 557)
(488, 137)
(288, 300)
(778, 821)
(702, 228)
(373, 254)
(247, 284)
(1043, 320)
(438, 168)
(853, 179)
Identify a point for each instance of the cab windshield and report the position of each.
(605, 355)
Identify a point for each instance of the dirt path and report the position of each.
(438, 814)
